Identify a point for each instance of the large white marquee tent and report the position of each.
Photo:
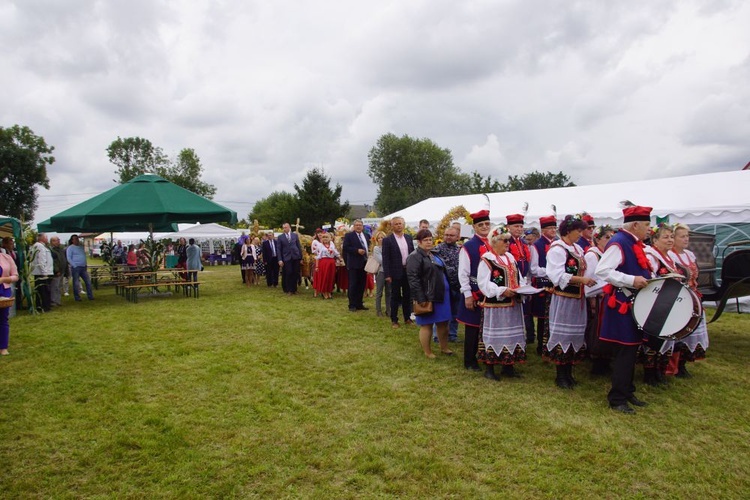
(718, 198)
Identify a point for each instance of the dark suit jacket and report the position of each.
(351, 245)
(392, 266)
(267, 253)
(289, 249)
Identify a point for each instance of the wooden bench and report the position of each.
(189, 288)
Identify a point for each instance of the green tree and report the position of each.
(317, 203)
(475, 183)
(134, 156)
(537, 180)
(274, 210)
(186, 171)
(409, 170)
(24, 157)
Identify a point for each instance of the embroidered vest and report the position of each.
(576, 266)
(505, 275)
(520, 251)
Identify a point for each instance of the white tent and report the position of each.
(209, 234)
(716, 198)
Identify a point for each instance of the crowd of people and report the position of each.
(565, 289)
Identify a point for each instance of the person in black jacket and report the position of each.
(354, 252)
(428, 282)
(396, 248)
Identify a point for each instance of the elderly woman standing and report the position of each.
(8, 276)
(502, 338)
(600, 352)
(325, 275)
(655, 353)
(694, 346)
(566, 342)
(428, 282)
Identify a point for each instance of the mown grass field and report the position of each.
(252, 394)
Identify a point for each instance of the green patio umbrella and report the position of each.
(145, 203)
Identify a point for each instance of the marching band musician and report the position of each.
(624, 265)
(693, 347)
(565, 340)
(540, 302)
(600, 352)
(655, 352)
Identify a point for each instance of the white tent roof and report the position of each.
(211, 231)
(722, 197)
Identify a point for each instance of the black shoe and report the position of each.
(661, 379)
(649, 377)
(363, 308)
(473, 368)
(489, 373)
(510, 371)
(637, 402)
(352, 309)
(563, 383)
(623, 408)
(682, 371)
(562, 380)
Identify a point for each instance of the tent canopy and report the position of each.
(211, 231)
(145, 203)
(707, 198)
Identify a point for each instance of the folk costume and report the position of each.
(623, 260)
(520, 251)
(468, 262)
(538, 268)
(655, 353)
(584, 242)
(565, 339)
(502, 339)
(599, 352)
(694, 346)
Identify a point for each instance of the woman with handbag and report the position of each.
(431, 293)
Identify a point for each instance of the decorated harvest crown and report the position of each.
(600, 231)
(499, 230)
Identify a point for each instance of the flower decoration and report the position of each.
(499, 230)
(600, 231)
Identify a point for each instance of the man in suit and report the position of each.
(355, 248)
(289, 258)
(396, 247)
(270, 250)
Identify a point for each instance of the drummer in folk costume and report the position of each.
(599, 352)
(502, 340)
(537, 268)
(624, 265)
(518, 247)
(586, 240)
(693, 347)
(565, 341)
(469, 310)
(655, 352)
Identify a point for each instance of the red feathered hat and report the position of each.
(588, 219)
(514, 219)
(550, 221)
(636, 213)
(480, 216)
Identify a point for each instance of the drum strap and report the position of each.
(669, 292)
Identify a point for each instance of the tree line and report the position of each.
(405, 170)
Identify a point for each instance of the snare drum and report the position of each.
(667, 309)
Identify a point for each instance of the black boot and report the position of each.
(649, 377)
(562, 381)
(569, 371)
(661, 378)
(539, 332)
(489, 372)
(510, 371)
(682, 371)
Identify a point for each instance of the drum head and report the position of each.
(663, 308)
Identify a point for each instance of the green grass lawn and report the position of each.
(250, 393)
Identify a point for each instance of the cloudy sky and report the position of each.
(264, 91)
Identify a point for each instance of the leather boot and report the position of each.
(561, 380)
(649, 377)
(510, 371)
(661, 378)
(569, 371)
(682, 370)
(489, 372)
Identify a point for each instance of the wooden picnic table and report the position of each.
(130, 283)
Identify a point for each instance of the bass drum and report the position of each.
(667, 309)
